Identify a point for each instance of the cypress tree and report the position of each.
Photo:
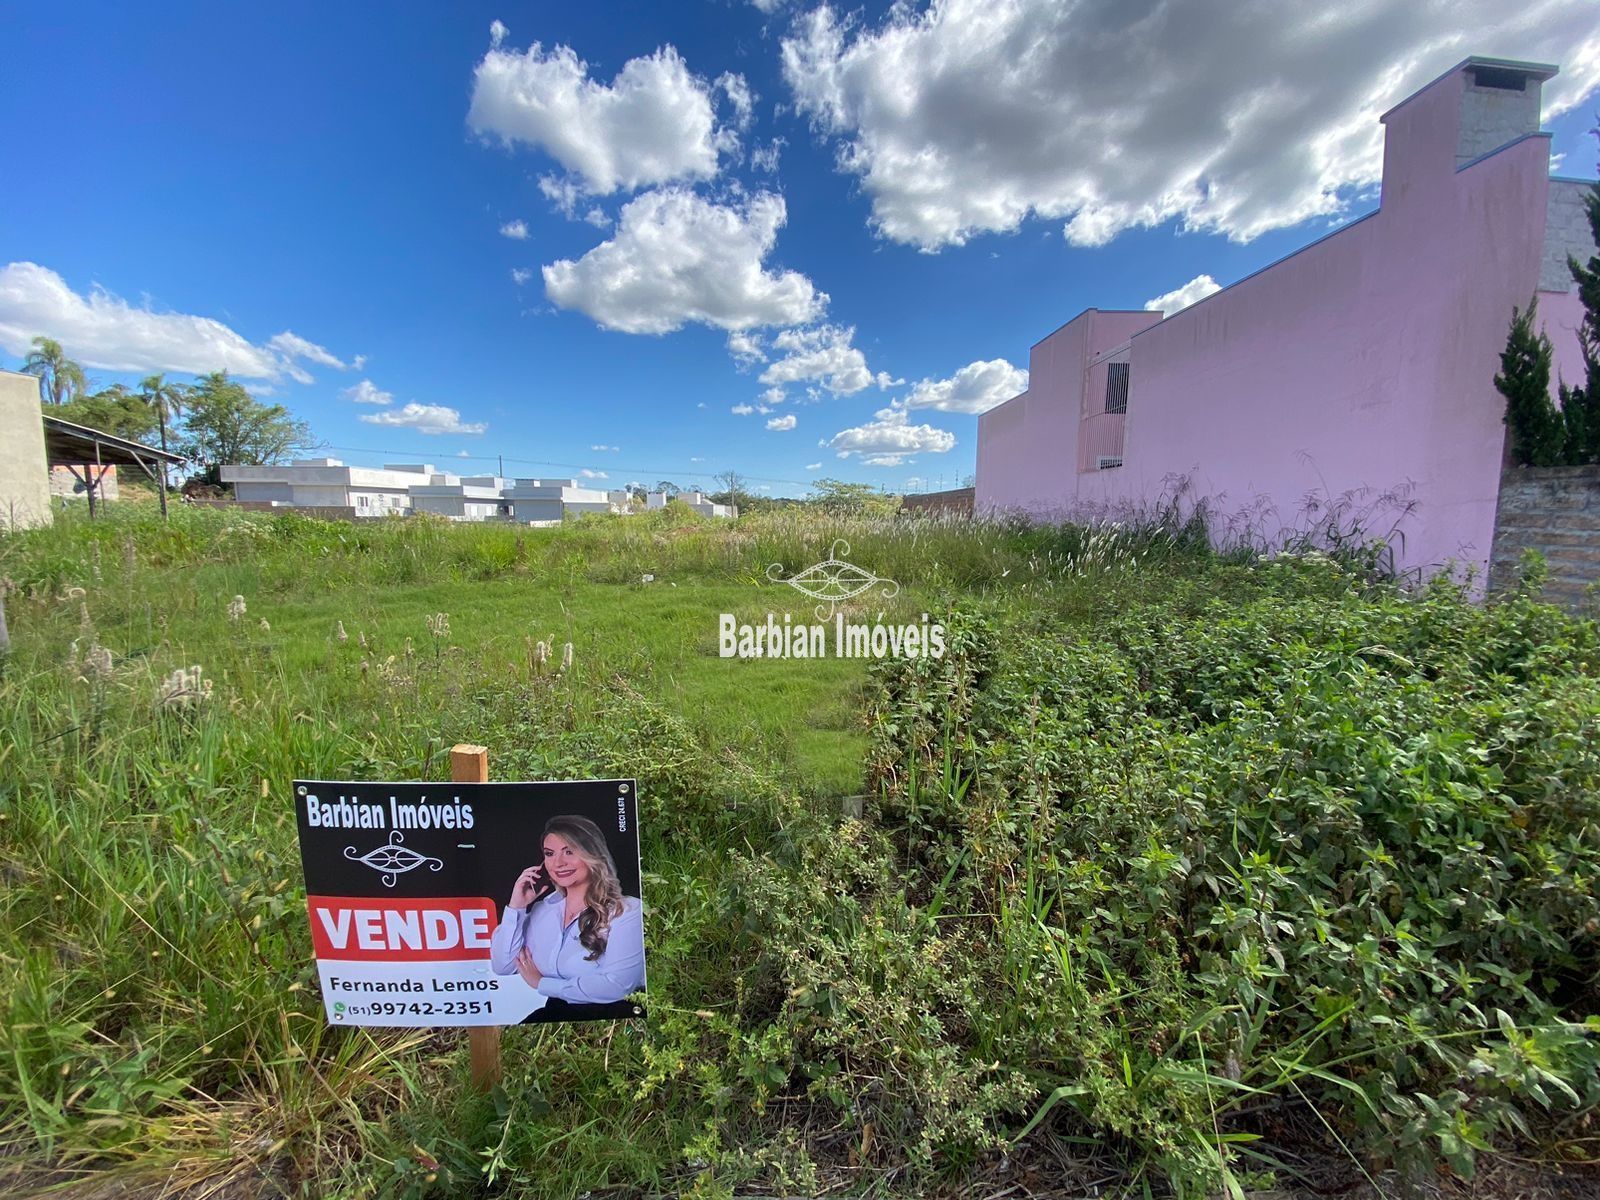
(1580, 407)
(1537, 429)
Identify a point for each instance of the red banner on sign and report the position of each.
(373, 929)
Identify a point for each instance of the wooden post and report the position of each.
(470, 764)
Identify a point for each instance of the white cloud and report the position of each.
(765, 158)
(358, 362)
(745, 347)
(516, 230)
(824, 353)
(603, 448)
(767, 7)
(696, 459)
(521, 275)
(367, 392)
(564, 194)
(773, 395)
(975, 388)
(497, 32)
(1196, 289)
(463, 454)
(596, 216)
(678, 258)
(424, 418)
(588, 474)
(292, 346)
(742, 410)
(816, 466)
(782, 424)
(739, 95)
(652, 124)
(103, 330)
(967, 116)
(888, 438)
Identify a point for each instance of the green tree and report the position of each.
(852, 499)
(1580, 407)
(60, 379)
(165, 400)
(1536, 427)
(226, 425)
(114, 410)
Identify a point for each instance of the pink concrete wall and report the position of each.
(1363, 364)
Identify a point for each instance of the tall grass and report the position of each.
(833, 1004)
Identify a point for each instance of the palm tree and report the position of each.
(167, 399)
(60, 378)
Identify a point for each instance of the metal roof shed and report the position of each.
(88, 452)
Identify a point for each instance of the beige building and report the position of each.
(24, 478)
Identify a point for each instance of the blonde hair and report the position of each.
(604, 897)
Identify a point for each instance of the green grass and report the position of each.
(833, 1004)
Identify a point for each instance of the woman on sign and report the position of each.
(569, 931)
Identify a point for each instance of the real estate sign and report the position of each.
(473, 903)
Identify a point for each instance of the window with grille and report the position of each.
(1109, 461)
(1116, 387)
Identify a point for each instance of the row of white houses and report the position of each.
(419, 487)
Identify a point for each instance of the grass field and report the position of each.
(871, 1007)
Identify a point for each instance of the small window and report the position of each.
(1117, 388)
(1109, 462)
(1500, 79)
(361, 501)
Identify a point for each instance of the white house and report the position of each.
(548, 500)
(463, 498)
(329, 483)
(695, 500)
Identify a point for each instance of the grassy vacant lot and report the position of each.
(1177, 865)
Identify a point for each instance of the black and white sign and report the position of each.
(473, 903)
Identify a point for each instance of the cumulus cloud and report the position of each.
(1196, 289)
(516, 230)
(889, 438)
(497, 32)
(742, 410)
(826, 354)
(678, 258)
(367, 392)
(652, 124)
(968, 116)
(975, 388)
(588, 474)
(424, 418)
(103, 330)
(521, 275)
(783, 424)
(746, 347)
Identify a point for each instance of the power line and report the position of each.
(659, 472)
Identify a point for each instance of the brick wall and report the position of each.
(956, 502)
(1555, 510)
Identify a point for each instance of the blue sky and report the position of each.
(956, 180)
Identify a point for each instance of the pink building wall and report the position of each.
(1363, 364)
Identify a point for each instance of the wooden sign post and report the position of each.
(470, 764)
